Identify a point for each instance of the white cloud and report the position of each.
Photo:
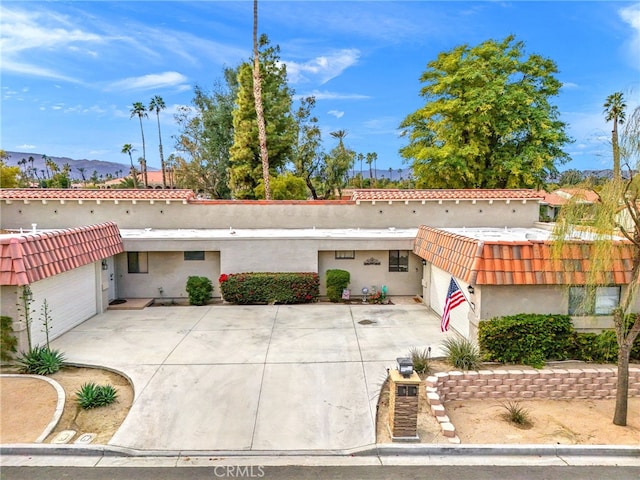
(326, 95)
(631, 15)
(151, 81)
(336, 113)
(25, 32)
(322, 68)
(24, 146)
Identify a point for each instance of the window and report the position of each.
(398, 261)
(593, 301)
(137, 262)
(194, 255)
(345, 254)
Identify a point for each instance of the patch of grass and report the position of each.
(40, 361)
(462, 354)
(517, 414)
(91, 395)
(421, 360)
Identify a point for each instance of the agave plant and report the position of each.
(40, 360)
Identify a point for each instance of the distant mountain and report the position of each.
(102, 168)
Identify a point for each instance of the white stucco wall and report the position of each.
(168, 270)
(143, 214)
(398, 283)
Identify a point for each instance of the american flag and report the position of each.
(454, 298)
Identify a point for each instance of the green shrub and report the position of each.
(462, 353)
(199, 290)
(421, 360)
(261, 288)
(91, 395)
(527, 338)
(8, 340)
(40, 361)
(601, 347)
(517, 414)
(337, 281)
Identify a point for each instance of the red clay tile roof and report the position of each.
(94, 194)
(446, 194)
(529, 262)
(562, 196)
(27, 258)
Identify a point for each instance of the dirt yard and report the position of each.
(575, 422)
(28, 406)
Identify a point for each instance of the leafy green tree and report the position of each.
(307, 156)
(285, 187)
(614, 111)
(617, 212)
(246, 167)
(157, 105)
(206, 137)
(139, 110)
(337, 165)
(488, 121)
(8, 175)
(571, 177)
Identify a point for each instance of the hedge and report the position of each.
(337, 281)
(262, 288)
(530, 339)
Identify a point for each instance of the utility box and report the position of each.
(403, 406)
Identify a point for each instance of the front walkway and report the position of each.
(222, 377)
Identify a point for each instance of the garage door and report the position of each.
(439, 286)
(71, 299)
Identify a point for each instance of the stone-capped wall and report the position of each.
(556, 383)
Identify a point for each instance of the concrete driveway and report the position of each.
(262, 378)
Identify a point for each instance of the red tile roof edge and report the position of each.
(34, 257)
(524, 262)
(94, 194)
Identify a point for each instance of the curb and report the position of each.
(382, 450)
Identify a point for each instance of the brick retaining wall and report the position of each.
(557, 384)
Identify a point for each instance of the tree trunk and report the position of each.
(616, 150)
(257, 95)
(144, 157)
(310, 186)
(622, 389)
(162, 166)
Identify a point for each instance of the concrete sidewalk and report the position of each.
(252, 378)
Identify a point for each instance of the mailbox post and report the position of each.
(403, 404)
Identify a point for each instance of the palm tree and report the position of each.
(84, 180)
(361, 158)
(370, 162)
(139, 110)
(127, 148)
(257, 95)
(156, 105)
(614, 107)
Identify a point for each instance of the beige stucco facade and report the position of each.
(176, 214)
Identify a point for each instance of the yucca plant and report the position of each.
(421, 360)
(40, 361)
(462, 353)
(91, 395)
(517, 414)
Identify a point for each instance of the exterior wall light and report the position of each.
(470, 289)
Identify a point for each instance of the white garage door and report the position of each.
(459, 317)
(71, 299)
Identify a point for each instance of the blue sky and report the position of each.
(71, 70)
